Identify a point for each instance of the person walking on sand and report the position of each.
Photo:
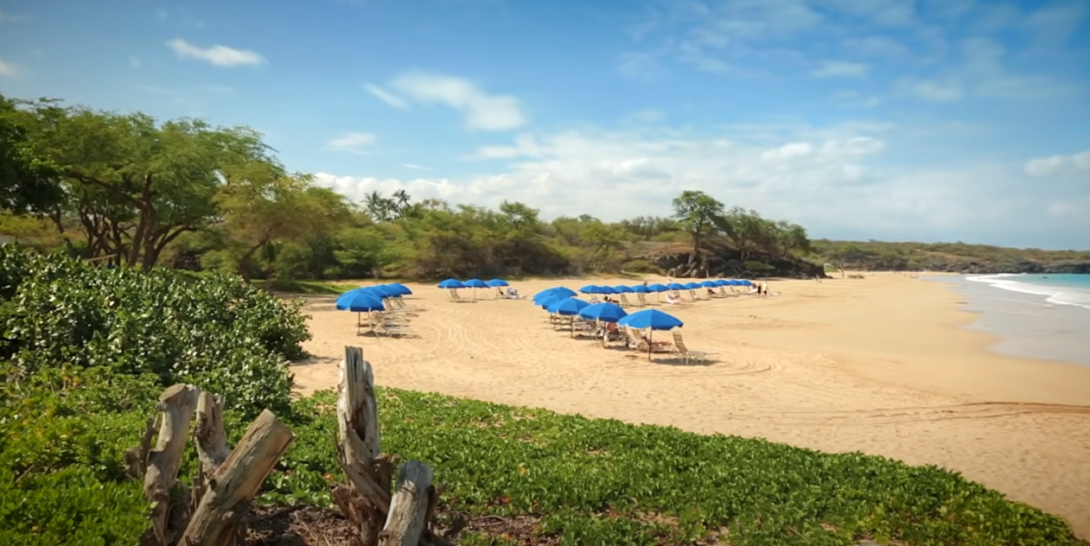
(764, 289)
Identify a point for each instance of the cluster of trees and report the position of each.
(131, 191)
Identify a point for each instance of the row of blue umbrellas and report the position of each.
(562, 301)
(659, 287)
(369, 298)
(472, 283)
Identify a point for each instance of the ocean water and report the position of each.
(1034, 316)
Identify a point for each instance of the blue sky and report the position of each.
(888, 119)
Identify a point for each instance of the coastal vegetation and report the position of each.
(86, 350)
(126, 189)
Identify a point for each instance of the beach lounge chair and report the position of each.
(400, 302)
(624, 301)
(457, 298)
(642, 299)
(398, 305)
(692, 356)
(692, 294)
(636, 340)
(399, 330)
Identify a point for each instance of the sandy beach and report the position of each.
(877, 365)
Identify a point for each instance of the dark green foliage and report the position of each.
(607, 482)
(213, 331)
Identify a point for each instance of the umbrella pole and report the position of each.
(650, 343)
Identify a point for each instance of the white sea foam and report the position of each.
(1059, 295)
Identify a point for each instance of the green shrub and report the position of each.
(215, 331)
(606, 482)
(640, 266)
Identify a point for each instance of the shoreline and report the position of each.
(1021, 324)
(881, 365)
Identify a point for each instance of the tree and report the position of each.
(260, 210)
(137, 185)
(698, 214)
(29, 182)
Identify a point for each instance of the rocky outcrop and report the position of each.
(974, 267)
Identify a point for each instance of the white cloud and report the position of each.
(483, 112)
(7, 70)
(416, 167)
(639, 66)
(352, 142)
(931, 90)
(833, 69)
(1058, 165)
(218, 55)
(386, 96)
(788, 152)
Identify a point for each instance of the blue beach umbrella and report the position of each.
(543, 295)
(721, 282)
(567, 306)
(744, 282)
(675, 286)
(606, 290)
(475, 284)
(554, 290)
(401, 289)
(591, 289)
(551, 299)
(653, 319)
(622, 289)
(657, 287)
(692, 285)
(605, 312)
(708, 284)
(640, 289)
(496, 283)
(358, 301)
(385, 290)
(451, 283)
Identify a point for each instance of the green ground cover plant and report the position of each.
(85, 351)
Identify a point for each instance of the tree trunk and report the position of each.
(237, 482)
(243, 266)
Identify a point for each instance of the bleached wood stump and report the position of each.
(367, 501)
(408, 517)
(228, 480)
(237, 481)
(161, 463)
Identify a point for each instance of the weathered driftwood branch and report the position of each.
(176, 404)
(407, 519)
(358, 445)
(237, 482)
(211, 438)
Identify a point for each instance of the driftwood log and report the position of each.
(227, 482)
(237, 481)
(366, 500)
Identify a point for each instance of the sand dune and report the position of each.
(876, 365)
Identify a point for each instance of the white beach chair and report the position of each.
(692, 356)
